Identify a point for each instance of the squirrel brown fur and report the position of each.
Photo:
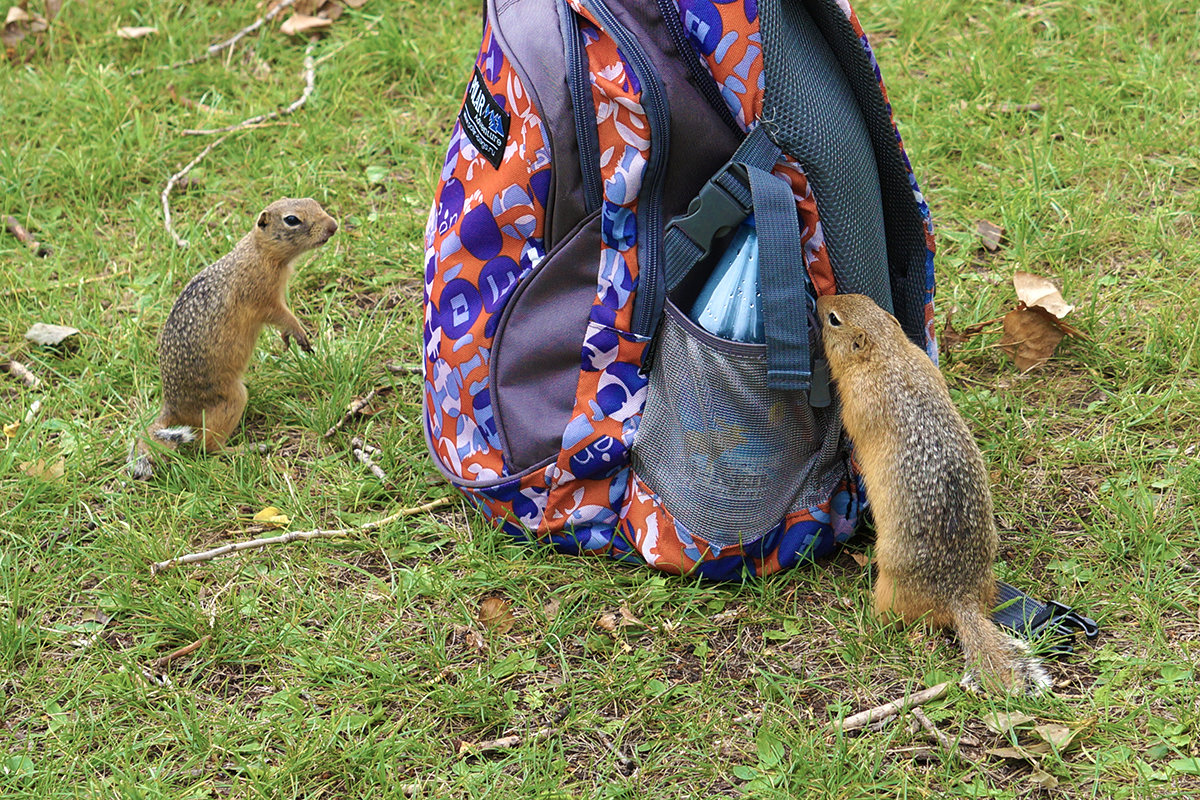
(209, 336)
(928, 488)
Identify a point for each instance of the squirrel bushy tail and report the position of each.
(994, 659)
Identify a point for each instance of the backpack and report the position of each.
(605, 152)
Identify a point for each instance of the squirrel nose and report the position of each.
(333, 227)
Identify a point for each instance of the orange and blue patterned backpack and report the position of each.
(605, 152)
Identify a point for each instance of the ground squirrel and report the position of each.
(927, 484)
(209, 336)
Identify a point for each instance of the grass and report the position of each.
(354, 668)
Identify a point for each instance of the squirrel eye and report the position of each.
(833, 319)
(291, 219)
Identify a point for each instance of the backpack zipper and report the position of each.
(584, 107)
(648, 304)
(702, 79)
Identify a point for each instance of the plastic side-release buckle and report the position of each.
(1051, 625)
(722, 204)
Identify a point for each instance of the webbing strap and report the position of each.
(780, 270)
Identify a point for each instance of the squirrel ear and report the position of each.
(860, 341)
(262, 220)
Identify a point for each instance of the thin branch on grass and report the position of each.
(309, 82)
(26, 238)
(356, 406)
(864, 718)
(362, 453)
(292, 536)
(943, 739)
(213, 49)
(166, 192)
(196, 105)
(19, 371)
(188, 649)
(503, 743)
(405, 369)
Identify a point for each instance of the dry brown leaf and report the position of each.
(1005, 721)
(1030, 337)
(862, 559)
(1038, 292)
(300, 23)
(1058, 735)
(135, 32)
(355, 3)
(42, 470)
(1029, 752)
(495, 613)
(331, 11)
(990, 233)
(1043, 779)
(551, 608)
(307, 8)
(608, 622)
(52, 8)
(16, 14)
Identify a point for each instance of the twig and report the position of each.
(309, 81)
(405, 369)
(187, 102)
(292, 536)
(355, 407)
(26, 238)
(188, 649)
(943, 739)
(166, 192)
(213, 49)
(503, 743)
(864, 718)
(19, 371)
(360, 450)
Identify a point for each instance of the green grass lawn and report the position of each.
(356, 667)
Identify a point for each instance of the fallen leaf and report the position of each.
(551, 608)
(990, 233)
(1038, 292)
(16, 14)
(1060, 736)
(862, 559)
(45, 471)
(1030, 336)
(473, 638)
(1005, 721)
(50, 335)
(52, 8)
(1043, 779)
(627, 618)
(136, 32)
(496, 614)
(11, 428)
(331, 11)
(1030, 752)
(355, 3)
(608, 622)
(300, 23)
(272, 516)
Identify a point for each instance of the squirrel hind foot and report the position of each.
(1024, 673)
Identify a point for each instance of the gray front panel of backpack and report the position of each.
(727, 456)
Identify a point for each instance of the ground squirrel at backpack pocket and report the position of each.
(209, 336)
(928, 488)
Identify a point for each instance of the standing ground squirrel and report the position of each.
(209, 336)
(927, 484)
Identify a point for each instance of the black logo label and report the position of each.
(483, 120)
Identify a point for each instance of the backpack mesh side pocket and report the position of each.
(726, 455)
